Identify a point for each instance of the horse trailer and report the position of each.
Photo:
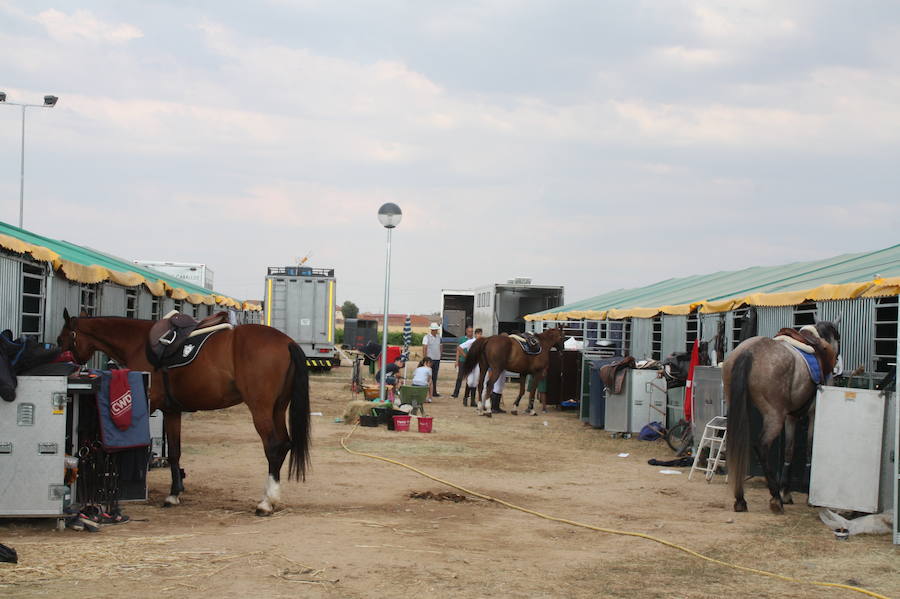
(299, 302)
(496, 308)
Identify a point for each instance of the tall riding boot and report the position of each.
(495, 404)
(466, 396)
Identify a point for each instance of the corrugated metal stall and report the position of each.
(10, 293)
(64, 295)
(112, 300)
(144, 303)
(856, 327)
(772, 319)
(674, 329)
(641, 337)
(166, 305)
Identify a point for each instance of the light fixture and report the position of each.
(389, 215)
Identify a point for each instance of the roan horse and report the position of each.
(254, 364)
(500, 353)
(776, 379)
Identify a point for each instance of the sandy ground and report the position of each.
(351, 529)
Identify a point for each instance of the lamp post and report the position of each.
(389, 216)
(49, 102)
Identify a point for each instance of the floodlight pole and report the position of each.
(384, 336)
(49, 102)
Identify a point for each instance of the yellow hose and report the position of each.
(611, 531)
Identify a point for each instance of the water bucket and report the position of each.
(425, 424)
(401, 423)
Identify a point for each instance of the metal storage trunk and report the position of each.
(847, 449)
(617, 411)
(33, 447)
(597, 396)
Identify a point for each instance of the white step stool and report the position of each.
(714, 439)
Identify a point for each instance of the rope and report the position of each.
(611, 531)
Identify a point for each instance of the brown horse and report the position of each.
(776, 379)
(500, 353)
(253, 364)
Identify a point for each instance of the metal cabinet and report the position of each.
(33, 447)
(642, 400)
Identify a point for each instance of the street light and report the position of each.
(389, 216)
(49, 102)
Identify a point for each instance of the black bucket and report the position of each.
(383, 415)
(368, 420)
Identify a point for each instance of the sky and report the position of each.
(592, 144)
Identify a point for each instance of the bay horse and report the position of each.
(500, 353)
(776, 379)
(254, 364)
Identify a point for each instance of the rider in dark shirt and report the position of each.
(393, 378)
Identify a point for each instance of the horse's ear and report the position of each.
(838, 320)
(66, 315)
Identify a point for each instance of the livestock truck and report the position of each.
(299, 302)
(495, 308)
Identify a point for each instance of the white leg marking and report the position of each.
(264, 507)
(172, 500)
(273, 489)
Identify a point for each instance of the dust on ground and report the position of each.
(353, 529)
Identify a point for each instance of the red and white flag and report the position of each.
(689, 385)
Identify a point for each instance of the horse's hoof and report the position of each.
(740, 505)
(171, 501)
(264, 508)
(787, 500)
(776, 506)
(488, 414)
(533, 413)
(514, 412)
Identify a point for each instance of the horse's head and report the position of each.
(828, 332)
(69, 339)
(553, 337)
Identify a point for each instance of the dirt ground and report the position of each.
(351, 530)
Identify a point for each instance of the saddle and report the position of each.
(170, 334)
(807, 340)
(613, 375)
(530, 344)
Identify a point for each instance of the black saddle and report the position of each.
(168, 338)
(530, 344)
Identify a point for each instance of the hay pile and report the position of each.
(357, 407)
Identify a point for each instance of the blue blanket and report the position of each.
(138, 434)
(812, 363)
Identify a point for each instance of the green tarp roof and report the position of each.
(798, 276)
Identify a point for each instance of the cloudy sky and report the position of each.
(589, 144)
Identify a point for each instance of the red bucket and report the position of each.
(425, 424)
(401, 423)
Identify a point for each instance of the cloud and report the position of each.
(691, 58)
(83, 25)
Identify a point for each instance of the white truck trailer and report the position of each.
(299, 301)
(495, 308)
(192, 272)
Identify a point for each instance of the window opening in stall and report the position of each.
(885, 354)
(805, 314)
(692, 330)
(32, 321)
(740, 315)
(656, 343)
(131, 301)
(155, 308)
(88, 303)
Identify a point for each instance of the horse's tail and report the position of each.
(299, 415)
(737, 443)
(474, 355)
